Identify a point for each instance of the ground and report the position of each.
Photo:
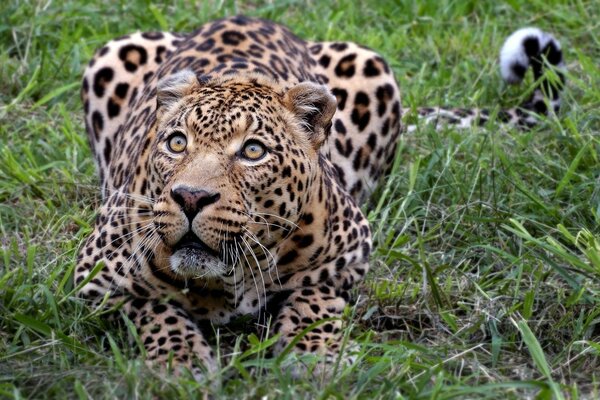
(485, 280)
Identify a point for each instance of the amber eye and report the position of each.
(177, 143)
(253, 150)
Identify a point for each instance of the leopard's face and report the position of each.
(234, 167)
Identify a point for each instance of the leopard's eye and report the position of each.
(177, 142)
(253, 150)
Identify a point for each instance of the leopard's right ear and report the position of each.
(173, 88)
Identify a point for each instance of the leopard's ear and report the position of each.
(314, 106)
(173, 88)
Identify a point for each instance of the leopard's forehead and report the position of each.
(232, 99)
(221, 112)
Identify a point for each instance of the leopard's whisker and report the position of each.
(132, 196)
(258, 267)
(138, 224)
(253, 277)
(276, 216)
(127, 264)
(125, 238)
(238, 250)
(270, 224)
(268, 255)
(267, 223)
(128, 208)
(235, 292)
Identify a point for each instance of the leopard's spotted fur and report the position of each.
(210, 233)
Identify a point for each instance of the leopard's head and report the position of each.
(234, 162)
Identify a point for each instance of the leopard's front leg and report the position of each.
(301, 309)
(164, 326)
(169, 334)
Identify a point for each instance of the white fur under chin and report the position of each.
(513, 51)
(194, 264)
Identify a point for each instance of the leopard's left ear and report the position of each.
(173, 88)
(314, 106)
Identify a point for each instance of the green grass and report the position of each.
(485, 280)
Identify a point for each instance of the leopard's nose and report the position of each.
(192, 200)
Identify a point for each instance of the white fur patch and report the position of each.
(193, 264)
(173, 88)
(513, 51)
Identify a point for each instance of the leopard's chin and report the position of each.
(196, 264)
(193, 259)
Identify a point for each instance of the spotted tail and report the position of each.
(523, 49)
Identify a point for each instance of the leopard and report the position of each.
(233, 163)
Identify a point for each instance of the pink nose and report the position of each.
(192, 201)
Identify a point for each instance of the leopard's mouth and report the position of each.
(192, 258)
(192, 242)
